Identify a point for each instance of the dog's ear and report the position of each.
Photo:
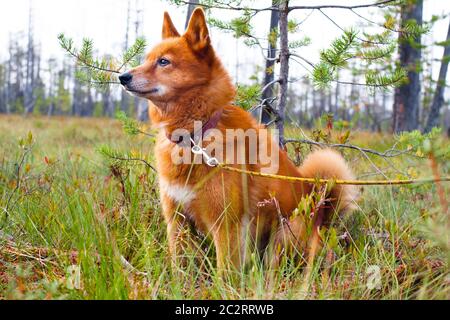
(168, 29)
(197, 33)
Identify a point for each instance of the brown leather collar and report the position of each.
(210, 124)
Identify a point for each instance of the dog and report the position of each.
(185, 82)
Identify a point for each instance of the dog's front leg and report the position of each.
(231, 243)
(177, 232)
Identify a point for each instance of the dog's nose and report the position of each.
(125, 78)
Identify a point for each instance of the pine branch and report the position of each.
(130, 126)
(228, 6)
(117, 157)
(379, 4)
(131, 55)
(375, 79)
(85, 55)
(99, 72)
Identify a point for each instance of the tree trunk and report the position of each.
(284, 68)
(306, 103)
(336, 99)
(269, 72)
(447, 120)
(314, 106)
(2, 88)
(17, 92)
(438, 99)
(407, 97)
(29, 80)
(125, 99)
(77, 101)
(51, 80)
(108, 107)
(89, 109)
(9, 79)
(354, 106)
(140, 105)
(322, 102)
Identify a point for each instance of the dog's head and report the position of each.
(177, 64)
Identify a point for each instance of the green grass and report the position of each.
(70, 210)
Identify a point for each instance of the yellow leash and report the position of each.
(342, 182)
(213, 162)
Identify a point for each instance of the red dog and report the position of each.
(186, 82)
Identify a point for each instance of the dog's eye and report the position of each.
(163, 62)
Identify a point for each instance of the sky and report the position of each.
(105, 22)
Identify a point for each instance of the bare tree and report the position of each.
(140, 104)
(407, 97)
(30, 67)
(78, 98)
(337, 93)
(9, 78)
(52, 65)
(284, 67)
(16, 90)
(108, 105)
(125, 101)
(2, 88)
(269, 72)
(438, 99)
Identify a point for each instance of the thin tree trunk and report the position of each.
(51, 82)
(3, 88)
(306, 103)
(18, 65)
(269, 73)
(29, 80)
(140, 105)
(336, 99)
(89, 110)
(438, 99)
(284, 68)
(314, 111)
(354, 99)
(447, 120)
(9, 79)
(108, 105)
(322, 102)
(78, 99)
(125, 100)
(407, 97)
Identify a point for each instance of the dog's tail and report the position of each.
(324, 164)
(294, 236)
(329, 164)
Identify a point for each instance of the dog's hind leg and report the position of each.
(290, 240)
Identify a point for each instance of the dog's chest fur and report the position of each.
(182, 194)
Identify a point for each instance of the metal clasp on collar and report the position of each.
(197, 149)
